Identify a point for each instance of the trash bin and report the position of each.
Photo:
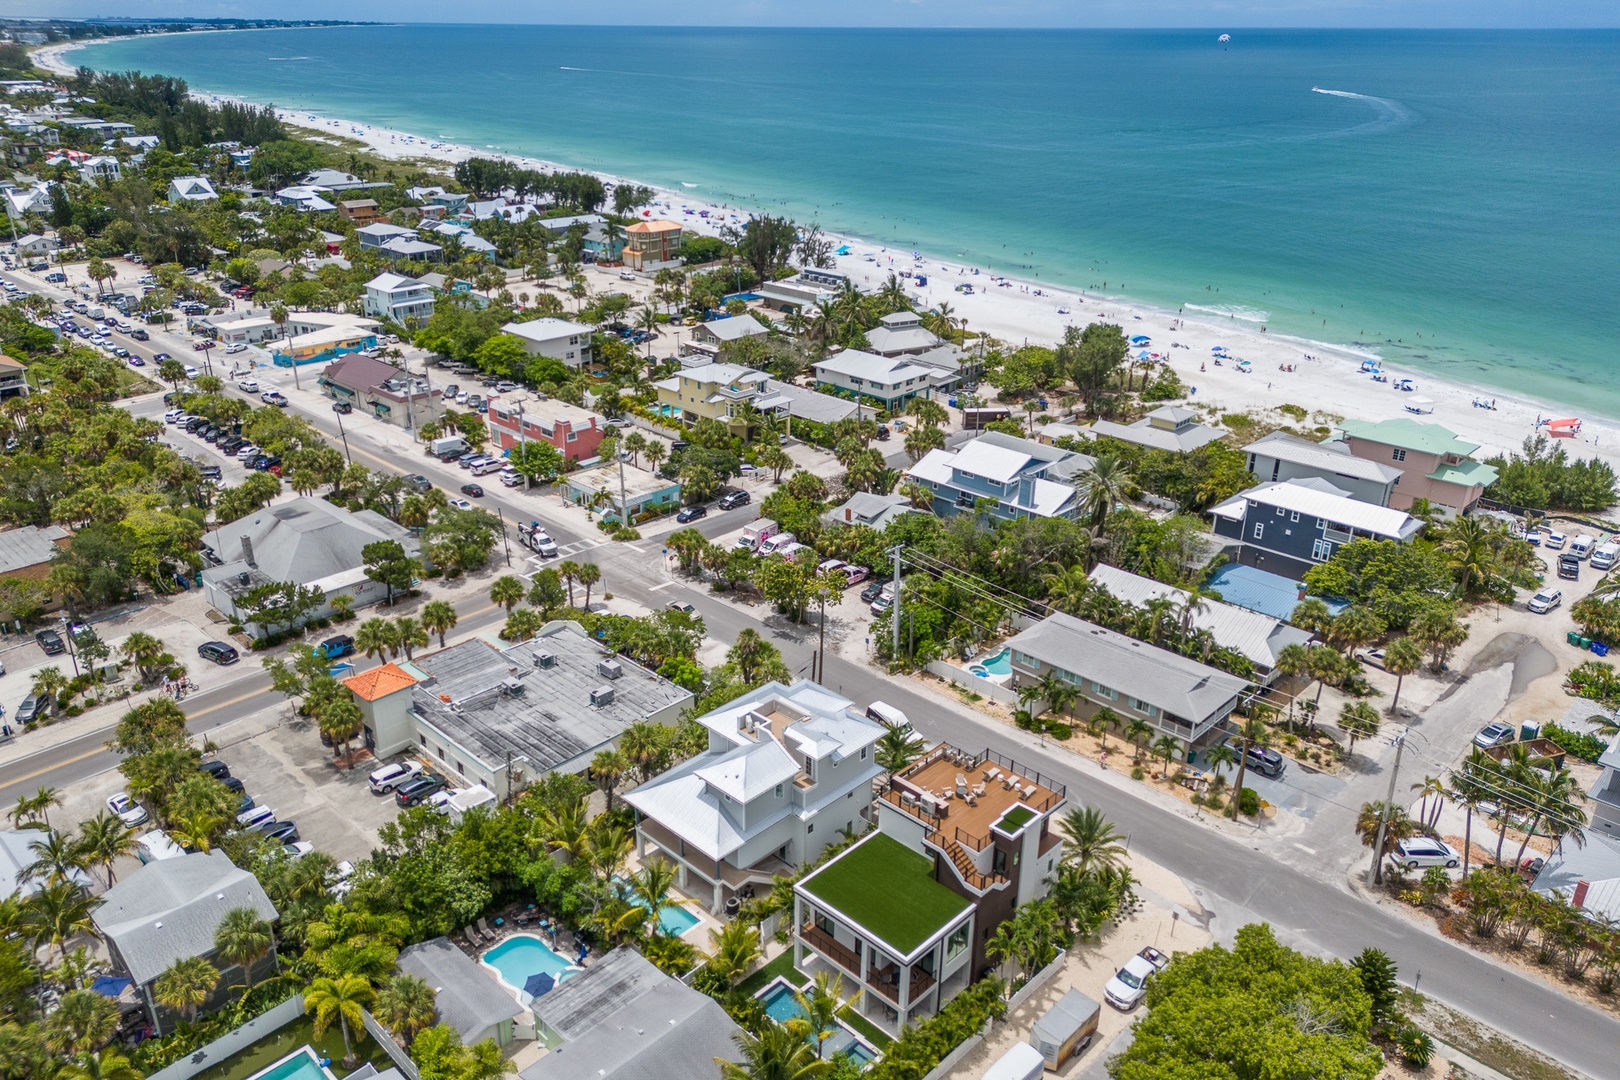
(1528, 731)
(1600, 649)
(1585, 642)
(1573, 637)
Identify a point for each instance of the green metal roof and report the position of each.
(888, 890)
(1409, 435)
(1466, 473)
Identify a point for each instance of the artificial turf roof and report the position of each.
(1015, 819)
(889, 890)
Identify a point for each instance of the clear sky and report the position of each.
(1225, 14)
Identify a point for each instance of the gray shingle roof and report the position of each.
(1329, 456)
(623, 1019)
(28, 546)
(468, 997)
(168, 910)
(305, 539)
(1172, 682)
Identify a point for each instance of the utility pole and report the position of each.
(624, 504)
(344, 436)
(894, 610)
(1383, 814)
(504, 539)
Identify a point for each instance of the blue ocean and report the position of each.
(1447, 199)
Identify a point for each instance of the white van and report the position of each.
(487, 466)
(1604, 555)
(253, 818)
(156, 846)
(1582, 546)
(888, 715)
(772, 544)
(1553, 541)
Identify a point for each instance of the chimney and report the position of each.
(1579, 899)
(247, 551)
(849, 515)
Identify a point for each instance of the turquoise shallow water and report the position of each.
(1450, 203)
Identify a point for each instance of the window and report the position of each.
(572, 436)
(1281, 511)
(460, 768)
(440, 749)
(957, 941)
(1104, 691)
(422, 740)
(811, 829)
(1321, 551)
(1400, 455)
(1259, 530)
(864, 749)
(1293, 515)
(778, 791)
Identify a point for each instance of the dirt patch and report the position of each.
(1487, 1047)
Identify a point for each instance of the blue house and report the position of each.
(1022, 478)
(1290, 526)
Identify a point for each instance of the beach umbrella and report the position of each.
(539, 984)
(1142, 355)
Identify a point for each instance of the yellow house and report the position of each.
(729, 393)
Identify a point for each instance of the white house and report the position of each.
(396, 298)
(788, 768)
(559, 339)
(309, 200)
(100, 167)
(893, 381)
(191, 189)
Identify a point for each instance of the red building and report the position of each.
(575, 431)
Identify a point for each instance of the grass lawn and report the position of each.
(868, 1030)
(783, 966)
(886, 888)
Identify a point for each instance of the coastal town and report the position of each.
(966, 676)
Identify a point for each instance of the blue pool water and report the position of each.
(779, 1003)
(999, 664)
(301, 1064)
(673, 919)
(517, 958)
(780, 1006)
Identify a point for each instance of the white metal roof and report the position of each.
(1318, 500)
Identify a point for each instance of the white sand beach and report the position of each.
(1324, 378)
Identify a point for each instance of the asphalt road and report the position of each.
(1235, 882)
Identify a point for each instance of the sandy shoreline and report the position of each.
(1326, 378)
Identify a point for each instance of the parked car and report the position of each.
(285, 831)
(475, 490)
(1494, 735)
(342, 407)
(873, 590)
(692, 513)
(416, 791)
(1545, 600)
(1424, 851)
(334, 647)
(854, 575)
(130, 812)
(234, 348)
(50, 641)
(389, 777)
(219, 652)
(1125, 990)
(215, 768)
(419, 482)
(440, 800)
(733, 499)
(1266, 761)
(34, 708)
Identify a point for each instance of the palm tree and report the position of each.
(438, 617)
(1467, 546)
(1293, 660)
(411, 633)
(1356, 627)
(373, 637)
(649, 889)
(735, 947)
(589, 574)
(609, 767)
(406, 1004)
(1402, 657)
(1465, 791)
(568, 570)
(1252, 732)
(341, 999)
(819, 1006)
(1090, 841)
(1101, 720)
(776, 1053)
(243, 937)
(84, 1021)
(897, 748)
(1137, 729)
(107, 1065)
(1219, 756)
(57, 858)
(1430, 787)
(1167, 747)
(507, 591)
(1396, 824)
(1108, 482)
(1358, 720)
(36, 807)
(57, 913)
(186, 986)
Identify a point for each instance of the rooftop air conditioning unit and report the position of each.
(512, 687)
(543, 659)
(610, 669)
(602, 695)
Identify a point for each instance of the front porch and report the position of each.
(720, 884)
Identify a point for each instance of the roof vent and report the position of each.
(512, 687)
(610, 669)
(602, 695)
(543, 659)
(243, 578)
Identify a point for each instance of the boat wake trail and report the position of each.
(1391, 115)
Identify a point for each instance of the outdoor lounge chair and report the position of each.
(483, 926)
(472, 935)
(961, 784)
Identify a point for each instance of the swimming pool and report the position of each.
(781, 1006)
(521, 957)
(999, 664)
(779, 1002)
(301, 1064)
(673, 919)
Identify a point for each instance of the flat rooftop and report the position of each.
(936, 772)
(888, 890)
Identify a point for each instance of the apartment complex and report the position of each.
(575, 431)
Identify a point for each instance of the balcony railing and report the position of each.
(887, 983)
(828, 946)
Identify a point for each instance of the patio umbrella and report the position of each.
(110, 986)
(539, 984)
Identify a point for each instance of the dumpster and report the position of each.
(1066, 1029)
(1599, 649)
(1022, 1062)
(1574, 638)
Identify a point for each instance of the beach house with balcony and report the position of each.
(888, 381)
(1016, 478)
(1280, 456)
(397, 298)
(559, 339)
(734, 394)
(1435, 464)
(1169, 427)
(787, 769)
(191, 189)
(1288, 527)
(652, 245)
(963, 838)
(1177, 695)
